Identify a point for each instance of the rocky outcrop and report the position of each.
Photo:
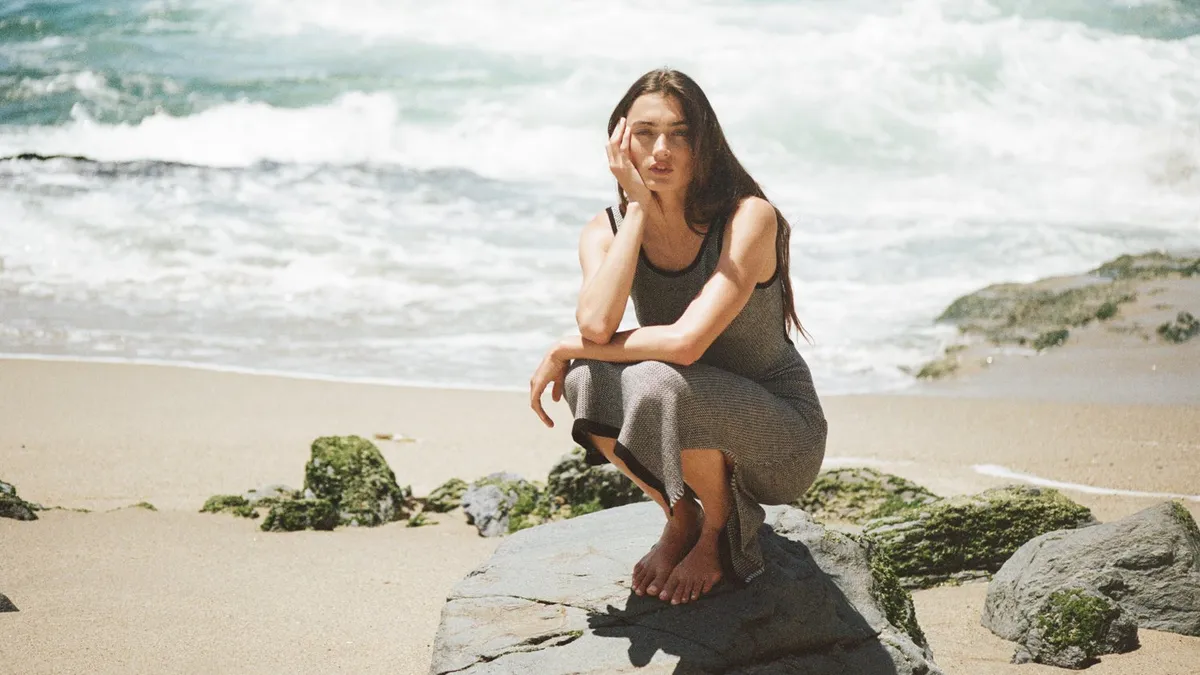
(346, 476)
(1147, 565)
(302, 514)
(585, 488)
(1074, 626)
(1183, 328)
(12, 506)
(856, 495)
(490, 502)
(971, 536)
(447, 496)
(350, 473)
(7, 605)
(557, 599)
(502, 503)
(1051, 312)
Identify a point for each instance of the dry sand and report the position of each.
(175, 591)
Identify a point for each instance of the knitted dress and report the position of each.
(750, 395)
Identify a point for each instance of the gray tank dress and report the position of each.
(750, 395)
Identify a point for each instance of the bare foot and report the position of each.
(651, 572)
(696, 574)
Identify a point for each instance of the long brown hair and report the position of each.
(719, 181)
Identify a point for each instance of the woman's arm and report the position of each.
(749, 254)
(608, 264)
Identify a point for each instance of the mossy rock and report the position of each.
(1151, 265)
(1053, 338)
(1074, 626)
(856, 495)
(587, 488)
(302, 514)
(533, 506)
(447, 496)
(1025, 313)
(972, 533)
(12, 506)
(351, 474)
(234, 504)
(890, 593)
(938, 368)
(1183, 328)
(1106, 311)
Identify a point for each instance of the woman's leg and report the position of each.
(650, 574)
(707, 473)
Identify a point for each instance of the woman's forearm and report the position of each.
(650, 343)
(604, 296)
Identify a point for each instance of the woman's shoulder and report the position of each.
(753, 209)
(752, 218)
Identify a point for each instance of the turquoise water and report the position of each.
(394, 190)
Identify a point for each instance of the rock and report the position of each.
(1074, 626)
(447, 497)
(489, 502)
(1147, 563)
(554, 598)
(350, 473)
(234, 504)
(1055, 338)
(929, 544)
(587, 488)
(270, 495)
(1183, 328)
(7, 605)
(1151, 265)
(1022, 313)
(301, 514)
(12, 506)
(856, 495)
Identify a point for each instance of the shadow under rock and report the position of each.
(792, 619)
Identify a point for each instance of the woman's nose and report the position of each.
(660, 145)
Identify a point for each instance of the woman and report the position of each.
(709, 398)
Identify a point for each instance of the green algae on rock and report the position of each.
(1052, 338)
(234, 504)
(856, 495)
(351, 474)
(1183, 328)
(896, 601)
(446, 497)
(1074, 626)
(583, 487)
(1019, 313)
(931, 543)
(1151, 265)
(301, 514)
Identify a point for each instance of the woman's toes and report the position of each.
(668, 589)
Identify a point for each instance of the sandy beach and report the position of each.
(121, 590)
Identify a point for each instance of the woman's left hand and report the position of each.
(552, 369)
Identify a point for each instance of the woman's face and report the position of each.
(659, 142)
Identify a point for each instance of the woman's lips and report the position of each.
(660, 171)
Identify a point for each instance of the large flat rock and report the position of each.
(557, 599)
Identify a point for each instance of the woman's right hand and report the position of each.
(621, 164)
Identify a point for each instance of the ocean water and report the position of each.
(393, 190)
